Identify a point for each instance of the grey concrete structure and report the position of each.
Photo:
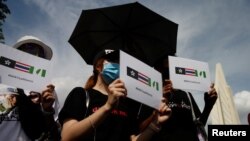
(224, 111)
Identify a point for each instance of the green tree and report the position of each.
(4, 11)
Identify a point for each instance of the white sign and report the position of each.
(23, 70)
(189, 74)
(143, 83)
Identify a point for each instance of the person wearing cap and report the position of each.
(7, 99)
(9, 115)
(100, 111)
(48, 98)
(35, 46)
(37, 114)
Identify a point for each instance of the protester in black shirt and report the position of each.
(181, 125)
(101, 111)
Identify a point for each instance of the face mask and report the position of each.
(110, 72)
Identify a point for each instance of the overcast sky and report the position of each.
(210, 30)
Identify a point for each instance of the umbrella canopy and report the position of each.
(131, 27)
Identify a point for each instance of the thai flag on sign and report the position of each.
(191, 72)
(138, 76)
(24, 67)
(143, 78)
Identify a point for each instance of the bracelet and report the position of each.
(154, 127)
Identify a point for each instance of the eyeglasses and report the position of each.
(33, 49)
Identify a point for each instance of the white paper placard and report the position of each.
(189, 74)
(143, 83)
(23, 70)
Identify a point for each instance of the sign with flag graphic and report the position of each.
(138, 76)
(23, 70)
(189, 74)
(16, 65)
(143, 83)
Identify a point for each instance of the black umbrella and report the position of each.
(132, 28)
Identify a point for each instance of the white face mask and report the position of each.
(7, 102)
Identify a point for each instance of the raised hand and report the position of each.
(48, 98)
(210, 97)
(116, 90)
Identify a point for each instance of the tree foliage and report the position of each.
(4, 11)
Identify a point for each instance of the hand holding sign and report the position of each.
(143, 83)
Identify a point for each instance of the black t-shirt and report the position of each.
(118, 126)
(180, 126)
